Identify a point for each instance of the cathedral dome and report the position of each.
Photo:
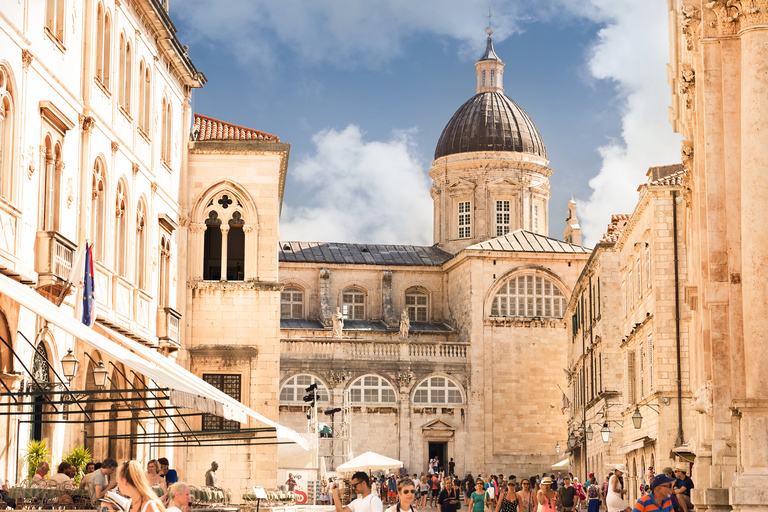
(490, 121)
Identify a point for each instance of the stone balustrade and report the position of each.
(329, 349)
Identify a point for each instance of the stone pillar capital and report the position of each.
(224, 229)
(196, 227)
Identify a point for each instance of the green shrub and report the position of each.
(79, 456)
(37, 452)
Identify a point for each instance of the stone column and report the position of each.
(47, 180)
(224, 237)
(405, 453)
(251, 252)
(196, 242)
(750, 491)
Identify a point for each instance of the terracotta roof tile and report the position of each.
(617, 225)
(207, 128)
(675, 178)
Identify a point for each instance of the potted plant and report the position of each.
(79, 456)
(37, 452)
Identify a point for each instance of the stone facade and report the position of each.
(718, 81)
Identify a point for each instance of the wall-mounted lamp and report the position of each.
(100, 375)
(69, 365)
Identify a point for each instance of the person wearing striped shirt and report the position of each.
(659, 497)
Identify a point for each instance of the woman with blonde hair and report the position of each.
(424, 489)
(406, 493)
(132, 482)
(179, 498)
(153, 477)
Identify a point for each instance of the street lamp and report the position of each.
(605, 432)
(637, 418)
(557, 447)
(590, 433)
(69, 365)
(100, 375)
(571, 441)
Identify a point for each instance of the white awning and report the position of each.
(185, 389)
(561, 465)
(635, 445)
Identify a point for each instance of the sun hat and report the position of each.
(620, 467)
(682, 467)
(546, 481)
(661, 479)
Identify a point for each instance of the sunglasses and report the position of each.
(408, 491)
(354, 484)
(526, 483)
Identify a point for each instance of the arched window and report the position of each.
(141, 246)
(98, 188)
(416, 302)
(124, 84)
(493, 78)
(292, 302)
(54, 18)
(6, 135)
(147, 101)
(103, 44)
(51, 184)
(437, 390)
(529, 296)
(143, 98)
(212, 248)
(353, 304)
(236, 248)
(121, 228)
(165, 141)
(372, 389)
(295, 389)
(41, 372)
(483, 79)
(164, 274)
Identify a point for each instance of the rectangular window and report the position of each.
(647, 267)
(465, 219)
(639, 279)
(535, 220)
(642, 372)
(502, 217)
(416, 304)
(630, 291)
(650, 363)
(229, 384)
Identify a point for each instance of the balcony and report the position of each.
(54, 257)
(408, 351)
(168, 328)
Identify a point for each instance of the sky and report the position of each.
(362, 91)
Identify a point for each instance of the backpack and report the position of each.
(593, 492)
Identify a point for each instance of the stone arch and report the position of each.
(358, 383)
(235, 211)
(427, 380)
(6, 357)
(354, 308)
(294, 300)
(413, 304)
(300, 388)
(9, 122)
(524, 270)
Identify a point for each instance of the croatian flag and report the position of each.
(82, 273)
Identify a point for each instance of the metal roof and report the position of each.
(361, 254)
(527, 241)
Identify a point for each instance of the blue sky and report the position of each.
(363, 90)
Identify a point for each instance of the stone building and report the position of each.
(95, 147)
(718, 82)
(631, 371)
(461, 378)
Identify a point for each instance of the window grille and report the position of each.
(631, 399)
(292, 302)
(437, 390)
(465, 219)
(295, 389)
(529, 296)
(353, 305)
(229, 384)
(371, 389)
(416, 305)
(502, 217)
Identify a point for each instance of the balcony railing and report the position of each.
(168, 328)
(54, 257)
(375, 351)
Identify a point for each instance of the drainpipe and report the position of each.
(680, 438)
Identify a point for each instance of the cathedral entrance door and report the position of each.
(440, 450)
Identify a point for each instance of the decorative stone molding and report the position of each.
(88, 124)
(115, 146)
(249, 228)
(338, 377)
(26, 59)
(70, 193)
(404, 379)
(184, 221)
(390, 319)
(255, 284)
(434, 191)
(728, 13)
(135, 170)
(196, 227)
(325, 273)
(224, 229)
(326, 308)
(754, 12)
(686, 152)
(153, 186)
(551, 323)
(691, 19)
(702, 399)
(688, 86)
(31, 165)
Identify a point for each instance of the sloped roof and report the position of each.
(208, 128)
(527, 241)
(617, 225)
(675, 178)
(361, 254)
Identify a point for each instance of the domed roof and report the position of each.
(490, 121)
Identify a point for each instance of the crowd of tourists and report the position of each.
(669, 491)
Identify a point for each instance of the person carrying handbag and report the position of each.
(480, 499)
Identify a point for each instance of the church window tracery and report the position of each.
(465, 219)
(353, 304)
(294, 389)
(416, 303)
(292, 302)
(529, 296)
(437, 390)
(371, 389)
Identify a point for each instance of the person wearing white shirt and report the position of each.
(406, 492)
(367, 502)
(61, 480)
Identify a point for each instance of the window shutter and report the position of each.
(630, 377)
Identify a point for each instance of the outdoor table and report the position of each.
(42, 493)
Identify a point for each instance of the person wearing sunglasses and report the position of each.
(658, 500)
(406, 494)
(479, 498)
(367, 502)
(526, 497)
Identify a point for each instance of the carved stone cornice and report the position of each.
(269, 286)
(686, 152)
(690, 20)
(754, 12)
(115, 146)
(404, 379)
(728, 13)
(338, 377)
(135, 170)
(88, 124)
(688, 86)
(197, 227)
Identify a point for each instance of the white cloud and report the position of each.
(632, 49)
(360, 191)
